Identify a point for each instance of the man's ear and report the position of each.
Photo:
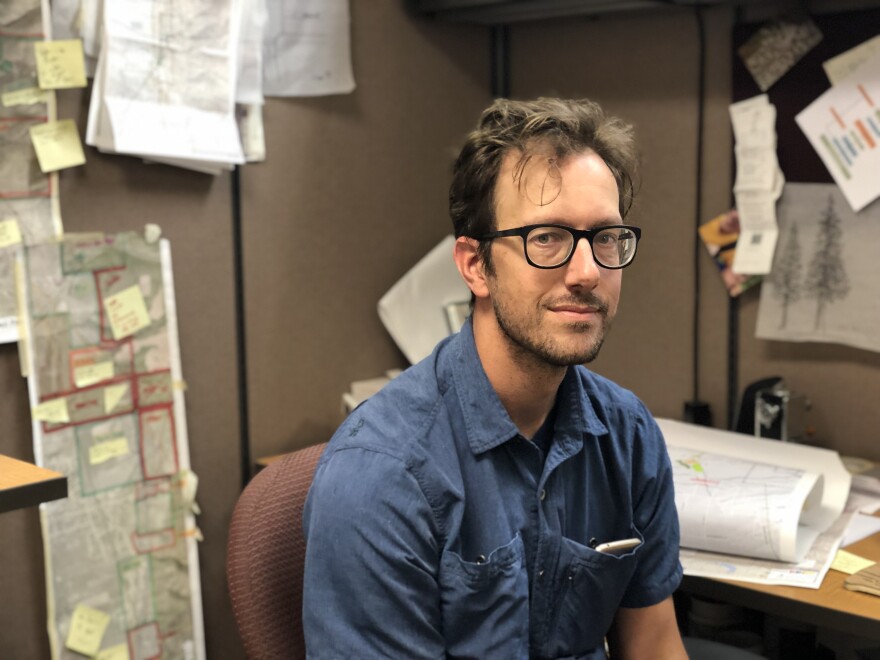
(470, 265)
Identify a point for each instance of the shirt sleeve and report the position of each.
(370, 585)
(658, 572)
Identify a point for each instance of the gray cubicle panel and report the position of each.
(352, 194)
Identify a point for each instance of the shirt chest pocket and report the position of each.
(591, 586)
(485, 604)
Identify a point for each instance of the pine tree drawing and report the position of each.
(786, 274)
(826, 277)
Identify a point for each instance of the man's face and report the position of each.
(559, 316)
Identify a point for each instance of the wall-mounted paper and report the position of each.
(843, 125)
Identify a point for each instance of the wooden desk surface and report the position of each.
(831, 606)
(25, 484)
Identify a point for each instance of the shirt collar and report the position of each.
(486, 421)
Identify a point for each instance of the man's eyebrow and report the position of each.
(608, 222)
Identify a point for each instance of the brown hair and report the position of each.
(562, 126)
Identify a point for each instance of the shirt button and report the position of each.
(540, 574)
(481, 559)
(542, 495)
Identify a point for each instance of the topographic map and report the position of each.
(107, 396)
(738, 506)
(28, 198)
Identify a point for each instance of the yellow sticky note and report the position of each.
(26, 96)
(89, 374)
(112, 395)
(53, 411)
(107, 449)
(60, 64)
(86, 630)
(127, 312)
(9, 233)
(118, 652)
(847, 562)
(57, 145)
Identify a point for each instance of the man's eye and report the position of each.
(545, 238)
(606, 238)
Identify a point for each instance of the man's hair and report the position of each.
(556, 127)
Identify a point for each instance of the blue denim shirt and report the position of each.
(434, 529)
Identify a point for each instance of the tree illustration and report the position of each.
(786, 274)
(826, 276)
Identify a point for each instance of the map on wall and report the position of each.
(107, 397)
(28, 198)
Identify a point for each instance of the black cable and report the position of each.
(241, 344)
(499, 62)
(698, 204)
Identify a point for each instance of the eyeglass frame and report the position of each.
(577, 235)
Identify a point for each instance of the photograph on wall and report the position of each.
(720, 236)
(825, 281)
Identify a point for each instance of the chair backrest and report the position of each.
(266, 554)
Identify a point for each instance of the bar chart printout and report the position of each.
(843, 125)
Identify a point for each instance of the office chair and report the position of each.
(266, 555)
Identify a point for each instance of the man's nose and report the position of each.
(582, 270)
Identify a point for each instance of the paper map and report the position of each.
(105, 378)
(27, 196)
(743, 508)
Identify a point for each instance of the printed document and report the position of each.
(753, 509)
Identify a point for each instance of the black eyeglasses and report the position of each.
(552, 246)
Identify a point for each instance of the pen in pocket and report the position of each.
(617, 547)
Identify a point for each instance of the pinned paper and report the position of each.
(118, 652)
(189, 484)
(86, 630)
(847, 562)
(9, 233)
(53, 411)
(60, 64)
(26, 96)
(57, 145)
(127, 312)
(89, 374)
(776, 47)
(107, 449)
(113, 395)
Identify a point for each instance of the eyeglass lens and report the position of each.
(551, 246)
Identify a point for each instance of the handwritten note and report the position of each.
(103, 451)
(89, 374)
(113, 395)
(86, 630)
(53, 411)
(60, 64)
(9, 232)
(26, 96)
(57, 145)
(127, 312)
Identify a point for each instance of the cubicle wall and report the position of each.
(353, 192)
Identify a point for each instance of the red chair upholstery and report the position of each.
(266, 554)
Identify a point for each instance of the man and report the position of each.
(462, 511)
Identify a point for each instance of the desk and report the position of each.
(832, 606)
(25, 484)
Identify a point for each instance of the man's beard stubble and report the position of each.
(536, 344)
